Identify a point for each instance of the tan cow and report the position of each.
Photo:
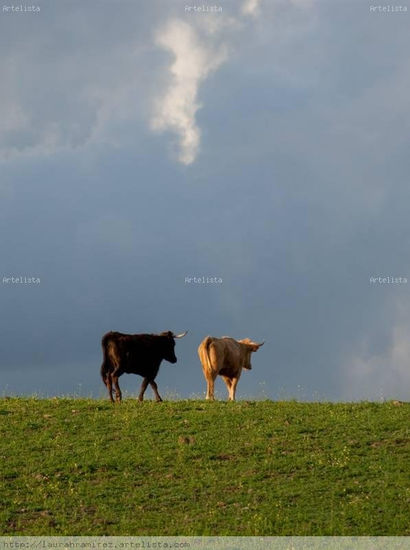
(226, 357)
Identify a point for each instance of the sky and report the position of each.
(264, 143)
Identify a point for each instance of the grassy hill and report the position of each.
(82, 466)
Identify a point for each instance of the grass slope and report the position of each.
(81, 466)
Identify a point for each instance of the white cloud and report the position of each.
(251, 7)
(78, 96)
(382, 376)
(197, 51)
(194, 59)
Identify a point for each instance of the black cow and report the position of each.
(137, 354)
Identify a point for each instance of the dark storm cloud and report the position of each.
(297, 196)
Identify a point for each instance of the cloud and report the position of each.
(82, 97)
(383, 375)
(193, 61)
(251, 7)
(197, 51)
(80, 93)
(69, 119)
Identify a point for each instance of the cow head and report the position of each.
(169, 345)
(249, 348)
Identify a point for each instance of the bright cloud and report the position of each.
(193, 61)
(251, 7)
(197, 52)
(383, 376)
(78, 102)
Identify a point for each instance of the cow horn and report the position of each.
(261, 344)
(179, 335)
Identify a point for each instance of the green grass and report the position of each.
(83, 466)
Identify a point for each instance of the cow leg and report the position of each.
(108, 383)
(234, 383)
(210, 381)
(118, 394)
(106, 378)
(228, 382)
(144, 385)
(154, 386)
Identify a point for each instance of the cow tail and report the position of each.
(106, 366)
(207, 342)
